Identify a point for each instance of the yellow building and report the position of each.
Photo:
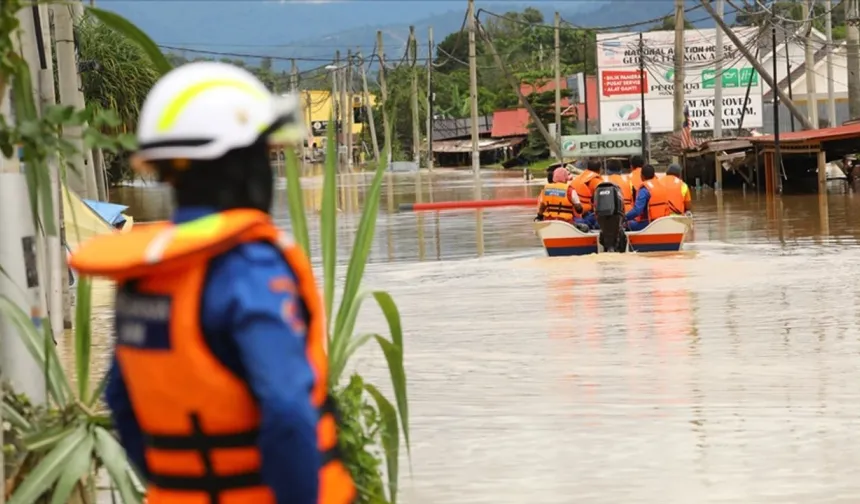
(317, 110)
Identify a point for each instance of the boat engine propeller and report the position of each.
(609, 210)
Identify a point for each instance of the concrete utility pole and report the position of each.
(349, 110)
(831, 94)
(718, 78)
(337, 105)
(678, 103)
(473, 88)
(346, 134)
(853, 40)
(369, 110)
(765, 75)
(811, 94)
(294, 76)
(383, 92)
(430, 98)
(82, 179)
(416, 132)
(557, 63)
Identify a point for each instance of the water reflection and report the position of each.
(726, 373)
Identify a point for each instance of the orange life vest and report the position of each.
(556, 205)
(623, 182)
(658, 204)
(636, 178)
(199, 420)
(676, 193)
(584, 184)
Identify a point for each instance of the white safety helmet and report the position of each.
(202, 110)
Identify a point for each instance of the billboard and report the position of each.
(621, 84)
(580, 146)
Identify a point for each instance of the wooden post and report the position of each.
(822, 171)
(718, 172)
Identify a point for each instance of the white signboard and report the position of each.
(626, 116)
(621, 84)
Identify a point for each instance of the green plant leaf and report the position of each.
(79, 464)
(83, 336)
(390, 433)
(363, 240)
(42, 438)
(328, 223)
(57, 382)
(135, 34)
(394, 359)
(99, 390)
(11, 415)
(295, 202)
(115, 461)
(40, 479)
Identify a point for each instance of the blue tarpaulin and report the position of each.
(110, 212)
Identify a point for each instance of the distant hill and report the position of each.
(313, 31)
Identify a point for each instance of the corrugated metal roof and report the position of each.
(819, 135)
(484, 144)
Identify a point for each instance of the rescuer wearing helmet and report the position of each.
(218, 382)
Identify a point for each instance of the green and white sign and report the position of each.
(732, 78)
(579, 146)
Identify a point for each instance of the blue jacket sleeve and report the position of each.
(642, 197)
(130, 435)
(268, 332)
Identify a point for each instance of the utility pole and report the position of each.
(416, 132)
(643, 133)
(853, 39)
(369, 110)
(473, 88)
(765, 75)
(82, 179)
(831, 94)
(336, 105)
(294, 76)
(344, 123)
(788, 76)
(811, 94)
(430, 98)
(349, 109)
(383, 91)
(777, 155)
(678, 103)
(557, 64)
(718, 78)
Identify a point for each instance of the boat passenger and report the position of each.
(585, 183)
(636, 164)
(651, 202)
(558, 200)
(217, 385)
(677, 192)
(614, 175)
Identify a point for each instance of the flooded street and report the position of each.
(727, 373)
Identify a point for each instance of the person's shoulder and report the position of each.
(251, 259)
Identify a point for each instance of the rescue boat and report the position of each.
(666, 234)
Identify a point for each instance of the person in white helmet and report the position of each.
(218, 382)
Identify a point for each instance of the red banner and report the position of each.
(622, 82)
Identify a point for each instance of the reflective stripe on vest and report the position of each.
(200, 421)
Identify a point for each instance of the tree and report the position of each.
(669, 24)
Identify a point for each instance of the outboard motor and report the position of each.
(609, 210)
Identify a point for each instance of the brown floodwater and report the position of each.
(729, 372)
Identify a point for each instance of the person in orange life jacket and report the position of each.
(614, 175)
(636, 164)
(651, 203)
(217, 386)
(677, 191)
(585, 184)
(558, 200)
